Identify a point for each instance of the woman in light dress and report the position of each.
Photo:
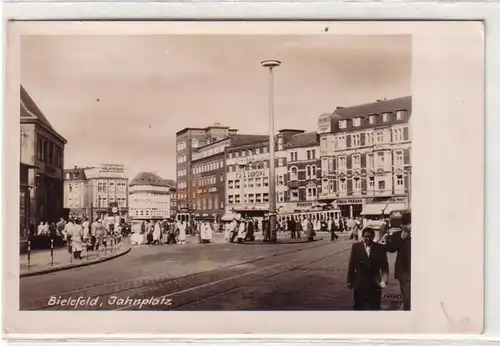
(156, 233)
(182, 233)
(74, 232)
(227, 231)
(206, 232)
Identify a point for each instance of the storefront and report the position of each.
(350, 207)
(378, 207)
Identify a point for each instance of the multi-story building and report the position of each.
(365, 157)
(304, 171)
(247, 174)
(173, 196)
(188, 140)
(96, 190)
(41, 168)
(149, 197)
(208, 175)
(76, 196)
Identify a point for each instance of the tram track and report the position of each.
(215, 275)
(286, 267)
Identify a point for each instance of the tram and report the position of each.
(322, 215)
(186, 217)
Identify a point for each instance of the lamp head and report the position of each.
(270, 63)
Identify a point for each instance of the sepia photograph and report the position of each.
(217, 172)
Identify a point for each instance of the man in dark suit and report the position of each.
(400, 242)
(367, 272)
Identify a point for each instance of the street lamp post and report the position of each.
(271, 65)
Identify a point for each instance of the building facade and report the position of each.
(173, 197)
(304, 171)
(366, 157)
(41, 168)
(188, 140)
(149, 197)
(96, 190)
(209, 175)
(247, 175)
(76, 196)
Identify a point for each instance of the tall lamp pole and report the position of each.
(271, 65)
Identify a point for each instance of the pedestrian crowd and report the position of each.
(80, 234)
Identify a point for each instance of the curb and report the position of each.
(71, 266)
(278, 242)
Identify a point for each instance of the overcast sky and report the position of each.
(120, 99)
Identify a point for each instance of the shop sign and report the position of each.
(252, 174)
(349, 201)
(304, 205)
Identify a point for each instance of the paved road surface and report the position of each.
(307, 276)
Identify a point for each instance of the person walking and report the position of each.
(250, 231)
(75, 231)
(182, 233)
(400, 242)
(292, 228)
(332, 227)
(298, 227)
(367, 272)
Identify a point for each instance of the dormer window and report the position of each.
(343, 124)
(371, 119)
(400, 114)
(356, 122)
(386, 117)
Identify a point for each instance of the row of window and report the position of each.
(310, 155)
(310, 173)
(181, 172)
(182, 159)
(102, 187)
(247, 152)
(209, 152)
(357, 183)
(207, 167)
(372, 119)
(379, 160)
(251, 182)
(209, 203)
(344, 141)
(249, 198)
(147, 212)
(182, 185)
(48, 151)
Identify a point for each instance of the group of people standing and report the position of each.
(80, 234)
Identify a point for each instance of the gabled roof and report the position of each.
(75, 173)
(307, 139)
(31, 112)
(147, 178)
(379, 107)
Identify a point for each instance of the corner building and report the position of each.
(209, 177)
(188, 141)
(41, 169)
(366, 157)
(247, 172)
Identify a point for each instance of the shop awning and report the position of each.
(230, 217)
(374, 209)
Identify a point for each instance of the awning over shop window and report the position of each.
(231, 217)
(374, 209)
